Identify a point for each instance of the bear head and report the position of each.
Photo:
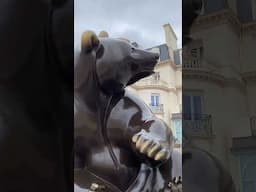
(117, 62)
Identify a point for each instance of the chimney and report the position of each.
(170, 36)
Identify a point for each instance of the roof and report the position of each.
(163, 51)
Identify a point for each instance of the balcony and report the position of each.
(197, 125)
(243, 144)
(157, 108)
(193, 63)
(253, 125)
(151, 83)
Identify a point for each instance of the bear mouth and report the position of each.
(140, 75)
(146, 70)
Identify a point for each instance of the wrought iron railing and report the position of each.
(157, 108)
(253, 125)
(197, 125)
(192, 63)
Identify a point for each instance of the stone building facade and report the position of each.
(219, 113)
(162, 91)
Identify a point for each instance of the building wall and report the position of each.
(168, 86)
(226, 74)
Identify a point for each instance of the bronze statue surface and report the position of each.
(119, 144)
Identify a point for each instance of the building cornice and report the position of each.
(202, 74)
(154, 84)
(161, 87)
(226, 16)
(210, 76)
(243, 144)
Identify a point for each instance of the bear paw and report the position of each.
(149, 145)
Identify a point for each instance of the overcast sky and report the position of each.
(138, 20)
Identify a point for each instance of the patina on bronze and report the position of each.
(119, 144)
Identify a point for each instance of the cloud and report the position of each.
(138, 20)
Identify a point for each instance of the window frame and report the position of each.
(191, 94)
(155, 95)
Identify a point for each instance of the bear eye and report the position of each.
(133, 49)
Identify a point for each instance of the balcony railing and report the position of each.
(253, 125)
(197, 125)
(192, 63)
(152, 82)
(157, 108)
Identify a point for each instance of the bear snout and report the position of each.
(153, 56)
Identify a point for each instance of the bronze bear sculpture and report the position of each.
(119, 144)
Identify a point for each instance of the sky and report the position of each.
(137, 20)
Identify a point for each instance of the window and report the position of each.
(196, 52)
(164, 52)
(244, 10)
(192, 105)
(178, 130)
(192, 55)
(155, 99)
(248, 172)
(213, 6)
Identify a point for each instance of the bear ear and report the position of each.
(89, 42)
(103, 34)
